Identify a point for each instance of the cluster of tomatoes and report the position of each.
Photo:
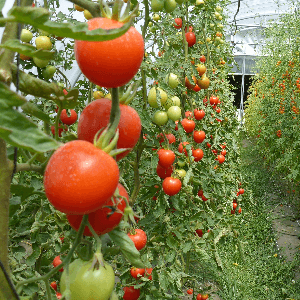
(199, 296)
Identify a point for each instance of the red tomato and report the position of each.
(200, 193)
(104, 219)
(58, 295)
(190, 291)
(137, 273)
(221, 158)
(223, 152)
(199, 136)
(164, 173)
(148, 273)
(208, 145)
(234, 205)
(171, 186)
(180, 148)
(96, 116)
(197, 88)
(130, 293)
(203, 59)
(190, 38)
(65, 92)
(56, 262)
(218, 110)
(188, 125)
(53, 284)
(171, 138)
(61, 128)
(199, 114)
(166, 158)
(68, 120)
(241, 191)
(198, 154)
(199, 232)
(110, 63)
(80, 178)
(204, 296)
(178, 23)
(199, 297)
(240, 210)
(188, 114)
(139, 238)
(213, 100)
(204, 198)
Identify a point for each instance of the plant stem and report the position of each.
(93, 8)
(29, 167)
(57, 121)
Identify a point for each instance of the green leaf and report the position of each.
(27, 49)
(31, 109)
(68, 101)
(127, 247)
(39, 18)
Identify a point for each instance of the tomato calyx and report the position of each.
(126, 97)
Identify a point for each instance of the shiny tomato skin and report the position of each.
(80, 178)
(139, 238)
(199, 114)
(56, 262)
(164, 172)
(241, 191)
(221, 158)
(190, 38)
(68, 120)
(198, 154)
(137, 272)
(103, 220)
(130, 293)
(190, 291)
(171, 186)
(199, 297)
(177, 23)
(234, 205)
(110, 63)
(166, 158)
(199, 136)
(188, 125)
(96, 116)
(223, 152)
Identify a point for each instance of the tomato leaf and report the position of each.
(27, 49)
(39, 18)
(68, 101)
(121, 239)
(31, 109)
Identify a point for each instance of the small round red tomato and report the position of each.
(110, 63)
(204, 296)
(137, 272)
(139, 238)
(221, 158)
(197, 88)
(223, 152)
(177, 23)
(204, 198)
(241, 191)
(166, 158)
(200, 193)
(199, 297)
(79, 178)
(148, 273)
(234, 205)
(190, 291)
(58, 295)
(96, 116)
(180, 148)
(198, 154)
(218, 110)
(240, 210)
(56, 262)
(190, 38)
(188, 114)
(199, 232)
(213, 100)
(199, 136)
(164, 172)
(208, 145)
(188, 125)
(199, 114)
(53, 284)
(130, 293)
(171, 186)
(171, 138)
(203, 59)
(68, 120)
(104, 219)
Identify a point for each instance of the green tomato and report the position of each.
(88, 282)
(181, 173)
(172, 80)
(176, 101)
(48, 72)
(43, 42)
(168, 103)
(160, 118)
(26, 36)
(43, 32)
(156, 17)
(170, 5)
(219, 8)
(41, 63)
(174, 113)
(180, 1)
(199, 2)
(157, 5)
(181, 163)
(152, 98)
(150, 24)
(163, 96)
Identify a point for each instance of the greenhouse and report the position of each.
(149, 150)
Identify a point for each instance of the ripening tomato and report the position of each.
(164, 173)
(198, 154)
(171, 186)
(240, 210)
(180, 148)
(148, 273)
(200, 193)
(241, 191)
(104, 219)
(190, 38)
(96, 116)
(137, 272)
(199, 232)
(199, 136)
(234, 205)
(221, 158)
(139, 238)
(166, 158)
(204, 296)
(130, 293)
(223, 152)
(68, 120)
(53, 284)
(171, 138)
(199, 114)
(190, 291)
(199, 297)
(197, 88)
(203, 59)
(80, 178)
(56, 262)
(110, 63)
(177, 23)
(58, 295)
(188, 125)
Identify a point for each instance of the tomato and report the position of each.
(190, 291)
(56, 262)
(200, 193)
(160, 118)
(65, 91)
(198, 154)
(26, 36)
(188, 125)
(190, 38)
(174, 113)
(199, 114)
(234, 205)
(96, 116)
(172, 80)
(204, 198)
(223, 152)
(43, 42)
(204, 296)
(68, 120)
(208, 145)
(180, 148)
(171, 138)
(137, 273)
(188, 114)
(166, 158)
(199, 136)
(221, 158)
(240, 210)
(201, 69)
(241, 191)
(218, 110)
(104, 219)
(196, 88)
(60, 129)
(110, 63)
(213, 100)
(80, 178)
(89, 280)
(181, 173)
(177, 23)
(163, 173)
(49, 72)
(58, 295)
(171, 186)
(170, 5)
(41, 63)
(189, 85)
(53, 284)
(203, 82)
(139, 238)
(203, 59)
(148, 273)
(156, 5)
(130, 293)
(199, 232)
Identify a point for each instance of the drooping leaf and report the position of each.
(31, 109)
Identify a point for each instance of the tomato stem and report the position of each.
(96, 237)
(60, 108)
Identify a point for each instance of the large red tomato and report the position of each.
(104, 219)
(166, 158)
(162, 172)
(80, 178)
(171, 186)
(110, 63)
(96, 116)
(190, 38)
(130, 293)
(199, 136)
(188, 125)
